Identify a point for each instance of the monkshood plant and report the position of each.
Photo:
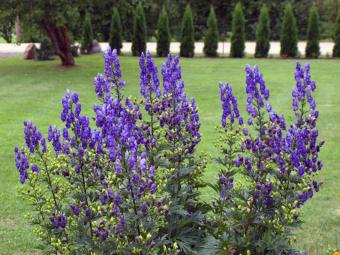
(121, 187)
(268, 170)
(93, 190)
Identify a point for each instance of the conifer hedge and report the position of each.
(139, 32)
(238, 33)
(187, 47)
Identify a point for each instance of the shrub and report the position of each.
(289, 32)
(187, 48)
(163, 35)
(129, 183)
(87, 36)
(46, 50)
(237, 35)
(211, 35)
(75, 50)
(116, 31)
(263, 34)
(336, 49)
(267, 169)
(313, 34)
(94, 185)
(139, 32)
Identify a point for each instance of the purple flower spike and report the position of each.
(229, 105)
(302, 93)
(22, 164)
(149, 81)
(256, 90)
(33, 137)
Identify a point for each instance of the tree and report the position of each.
(187, 48)
(336, 49)
(289, 33)
(163, 35)
(6, 26)
(238, 35)
(56, 18)
(211, 35)
(87, 37)
(300, 8)
(116, 31)
(313, 34)
(139, 32)
(263, 34)
(7, 20)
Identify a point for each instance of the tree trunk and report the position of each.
(17, 29)
(61, 42)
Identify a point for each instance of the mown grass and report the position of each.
(33, 90)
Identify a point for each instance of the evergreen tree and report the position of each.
(289, 33)
(263, 34)
(238, 34)
(313, 34)
(211, 35)
(139, 32)
(336, 49)
(163, 35)
(116, 31)
(187, 47)
(87, 37)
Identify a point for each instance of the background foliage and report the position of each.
(263, 34)
(139, 37)
(163, 35)
(116, 40)
(313, 34)
(211, 36)
(238, 33)
(289, 32)
(101, 11)
(187, 48)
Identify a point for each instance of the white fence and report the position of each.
(326, 48)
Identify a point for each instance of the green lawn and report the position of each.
(33, 90)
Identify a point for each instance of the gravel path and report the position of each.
(223, 48)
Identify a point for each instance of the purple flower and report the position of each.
(149, 82)
(229, 105)
(21, 163)
(75, 209)
(54, 137)
(101, 86)
(226, 183)
(117, 199)
(112, 68)
(68, 113)
(33, 137)
(176, 112)
(75, 97)
(58, 221)
(35, 169)
(302, 93)
(172, 76)
(256, 90)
